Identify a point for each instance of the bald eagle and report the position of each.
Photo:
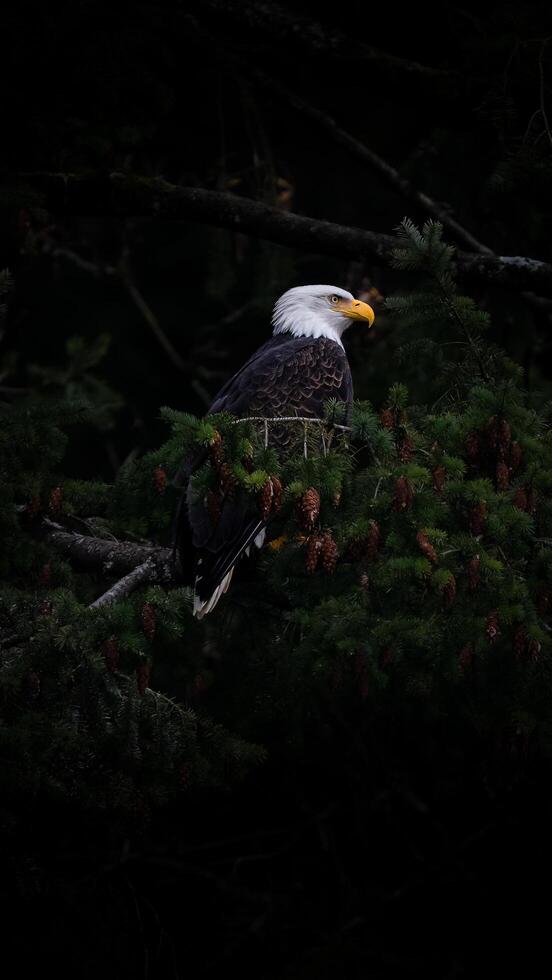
(293, 373)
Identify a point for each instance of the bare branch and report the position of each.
(111, 557)
(124, 586)
(125, 195)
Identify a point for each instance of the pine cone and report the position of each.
(502, 476)
(148, 620)
(533, 650)
(472, 446)
(312, 552)
(328, 552)
(478, 517)
(160, 479)
(227, 479)
(519, 499)
(439, 477)
(473, 572)
(33, 507)
(277, 491)
(216, 450)
(308, 509)
(56, 496)
(142, 677)
(465, 657)
(111, 654)
(503, 438)
(387, 418)
(425, 546)
(449, 591)
(403, 494)
(516, 456)
(213, 507)
(373, 540)
(492, 628)
(264, 499)
(405, 449)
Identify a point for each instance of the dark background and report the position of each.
(325, 877)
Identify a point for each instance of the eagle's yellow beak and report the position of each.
(356, 310)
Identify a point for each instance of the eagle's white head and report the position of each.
(318, 311)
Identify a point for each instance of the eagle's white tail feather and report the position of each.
(260, 539)
(201, 608)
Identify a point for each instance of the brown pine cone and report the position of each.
(277, 491)
(33, 507)
(465, 657)
(425, 546)
(213, 507)
(56, 497)
(216, 450)
(473, 572)
(502, 476)
(439, 477)
(142, 677)
(403, 494)
(405, 449)
(264, 499)
(373, 540)
(519, 499)
(492, 628)
(503, 438)
(148, 620)
(516, 456)
(111, 654)
(160, 479)
(478, 517)
(308, 509)
(227, 479)
(533, 650)
(312, 552)
(328, 552)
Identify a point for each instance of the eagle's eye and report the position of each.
(334, 300)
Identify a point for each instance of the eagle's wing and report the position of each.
(287, 376)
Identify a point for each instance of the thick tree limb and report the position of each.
(109, 556)
(125, 195)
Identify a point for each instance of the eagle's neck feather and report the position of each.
(307, 324)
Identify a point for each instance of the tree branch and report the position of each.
(124, 586)
(125, 195)
(111, 557)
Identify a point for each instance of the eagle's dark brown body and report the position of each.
(286, 376)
